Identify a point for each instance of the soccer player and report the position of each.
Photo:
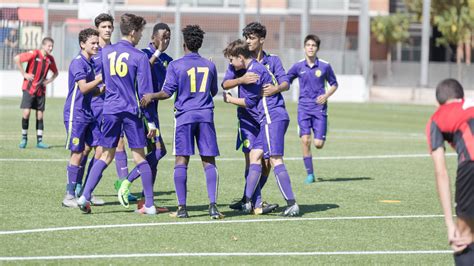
(313, 74)
(40, 62)
(78, 116)
(194, 79)
(159, 61)
(273, 119)
(255, 34)
(127, 77)
(453, 122)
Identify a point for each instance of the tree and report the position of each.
(390, 30)
(454, 19)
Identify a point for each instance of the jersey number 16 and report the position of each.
(118, 67)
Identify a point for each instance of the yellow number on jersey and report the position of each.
(118, 67)
(192, 77)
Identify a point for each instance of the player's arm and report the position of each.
(169, 87)
(228, 98)
(24, 57)
(292, 73)
(331, 79)
(55, 71)
(281, 77)
(214, 88)
(86, 87)
(247, 78)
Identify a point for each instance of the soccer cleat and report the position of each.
(180, 213)
(265, 208)
(23, 143)
(69, 201)
(96, 201)
(144, 210)
(237, 205)
(123, 193)
(84, 205)
(246, 207)
(214, 213)
(291, 211)
(141, 202)
(309, 179)
(77, 190)
(42, 145)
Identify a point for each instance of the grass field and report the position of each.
(375, 201)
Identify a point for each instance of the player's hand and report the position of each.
(146, 100)
(102, 90)
(322, 99)
(151, 133)
(269, 90)
(28, 76)
(456, 241)
(249, 78)
(227, 96)
(98, 77)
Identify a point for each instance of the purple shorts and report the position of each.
(205, 135)
(247, 134)
(78, 135)
(317, 123)
(273, 138)
(130, 124)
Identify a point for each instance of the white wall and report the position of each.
(351, 87)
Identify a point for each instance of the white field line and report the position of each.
(295, 219)
(226, 254)
(361, 157)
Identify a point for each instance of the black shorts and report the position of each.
(464, 196)
(32, 101)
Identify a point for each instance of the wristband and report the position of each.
(151, 126)
(156, 53)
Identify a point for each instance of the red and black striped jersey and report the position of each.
(453, 122)
(38, 65)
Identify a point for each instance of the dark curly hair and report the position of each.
(130, 22)
(254, 28)
(86, 33)
(193, 36)
(103, 17)
(236, 48)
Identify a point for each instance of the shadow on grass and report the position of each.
(57, 146)
(139, 194)
(343, 179)
(306, 208)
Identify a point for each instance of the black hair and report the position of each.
(254, 28)
(103, 17)
(314, 38)
(47, 39)
(86, 33)
(236, 48)
(131, 22)
(160, 26)
(449, 89)
(193, 36)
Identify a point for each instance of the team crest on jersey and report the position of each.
(165, 64)
(75, 141)
(317, 73)
(246, 143)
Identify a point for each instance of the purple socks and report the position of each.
(121, 164)
(180, 177)
(147, 182)
(72, 172)
(212, 181)
(255, 170)
(94, 177)
(308, 164)
(284, 183)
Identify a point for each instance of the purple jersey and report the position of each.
(194, 79)
(98, 102)
(270, 108)
(127, 77)
(273, 63)
(312, 83)
(247, 114)
(158, 68)
(78, 105)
